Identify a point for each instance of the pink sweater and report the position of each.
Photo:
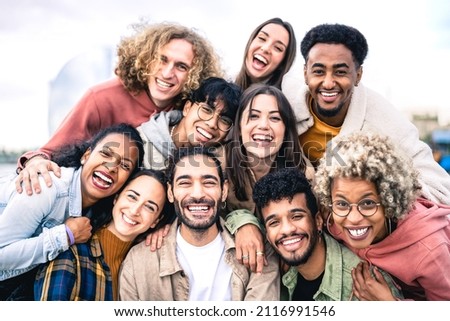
(103, 105)
(417, 253)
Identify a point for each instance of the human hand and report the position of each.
(369, 284)
(28, 178)
(81, 228)
(250, 247)
(154, 240)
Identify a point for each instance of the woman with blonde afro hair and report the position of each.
(371, 195)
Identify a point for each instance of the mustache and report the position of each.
(195, 201)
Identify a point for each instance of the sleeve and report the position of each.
(56, 280)
(127, 282)
(22, 242)
(238, 218)
(265, 286)
(79, 124)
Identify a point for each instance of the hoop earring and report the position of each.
(224, 205)
(328, 224)
(388, 225)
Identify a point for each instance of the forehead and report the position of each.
(285, 206)
(196, 166)
(178, 50)
(332, 53)
(113, 140)
(144, 184)
(264, 102)
(277, 32)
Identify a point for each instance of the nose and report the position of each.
(354, 215)
(135, 209)
(197, 191)
(265, 47)
(263, 123)
(286, 228)
(328, 82)
(213, 123)
(167, 70)
(112, 165)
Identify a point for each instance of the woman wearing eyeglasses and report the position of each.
(373, 194)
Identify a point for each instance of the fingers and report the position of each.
(260, 261)
(19, 183)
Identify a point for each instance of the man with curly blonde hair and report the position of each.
(373, 193)
(157, 68)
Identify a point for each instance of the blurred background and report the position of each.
(53, 50)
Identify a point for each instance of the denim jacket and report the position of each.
(337, 280)
(32, 227)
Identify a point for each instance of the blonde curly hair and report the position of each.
(138, 54)
(374, 158)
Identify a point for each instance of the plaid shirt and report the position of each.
(75, 275)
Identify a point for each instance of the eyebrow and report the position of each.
(207, 176)
(277, 41)
(120, 159)
(291, 211)
(148, 201)
(335, 66)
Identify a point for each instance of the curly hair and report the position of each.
(276, 78)
(374, 158)
(138, 55)
(283, 184)
(350, 37)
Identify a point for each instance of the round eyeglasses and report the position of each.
(366, 207)
(206, 113)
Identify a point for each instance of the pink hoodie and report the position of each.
(417, 252)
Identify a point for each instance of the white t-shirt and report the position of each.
(209, 275)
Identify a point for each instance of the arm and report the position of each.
(24, 240)
(266, 286)
(248, 239)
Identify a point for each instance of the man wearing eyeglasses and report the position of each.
(206, 119)
(320, 268)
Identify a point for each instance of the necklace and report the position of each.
(172, 130)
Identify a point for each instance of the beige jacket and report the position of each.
(157, 276)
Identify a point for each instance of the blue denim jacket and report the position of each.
(32, 227)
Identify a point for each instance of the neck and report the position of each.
(198, 237)
(315, 265)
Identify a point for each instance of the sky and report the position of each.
(408, 60)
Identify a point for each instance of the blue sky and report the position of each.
(408, 61)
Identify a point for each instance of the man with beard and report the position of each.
(334, 102)
(197, 260)
(320, 268)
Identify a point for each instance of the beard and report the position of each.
(299, 259)
(194, 224)
(329, 112)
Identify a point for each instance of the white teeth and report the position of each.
(292, 241)
(163, 83)
(204, 133)
(198, 208)
(262, 137)
(129, 221)
(103, 177)
(329, 94)
(260, 58)
(358, 232)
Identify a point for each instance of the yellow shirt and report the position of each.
(315, 139)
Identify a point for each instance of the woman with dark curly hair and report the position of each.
(373, 195)
(157, 68)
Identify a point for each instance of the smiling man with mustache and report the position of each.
(197, 260)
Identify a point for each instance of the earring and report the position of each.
(319, 232)
(329, 225)
(224, 205)
(388, 225)
(82, 162)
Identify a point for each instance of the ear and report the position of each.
(85, 156)
(115, 199)
(225, 191)
(359, 74)
(304, 74)
(187, 107)
(170, 193)
(319, 220)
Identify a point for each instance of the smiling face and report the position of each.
(198, 131)
(196, 192)
(262, 128)
(356, 230)
(331, 75)
(107, 167)
(267, 50)
(170, 73)
(137, 208)
(291, 229)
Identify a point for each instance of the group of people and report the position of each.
(171, 182)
